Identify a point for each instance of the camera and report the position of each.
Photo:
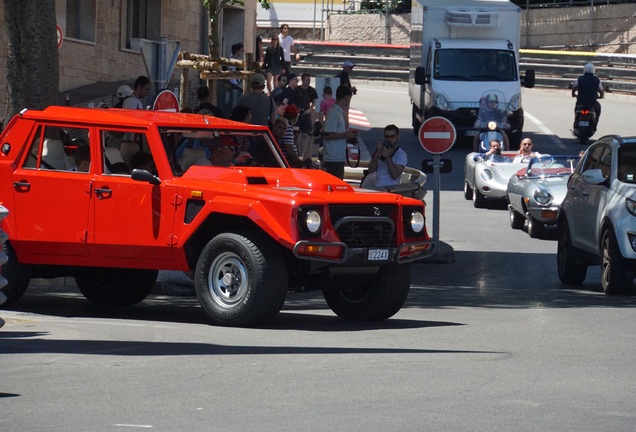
(386, 143)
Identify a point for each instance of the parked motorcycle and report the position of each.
(584, 123)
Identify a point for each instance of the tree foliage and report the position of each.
(33, 62)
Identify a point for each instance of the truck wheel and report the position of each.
(241, 279)
(375, 300)
(416, 123)
(614, 279)
(479, 201)
(570, 272)
(535, 228)
(17, 275)
(116, 287)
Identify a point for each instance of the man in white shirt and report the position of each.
(287, 44)
(141, 90)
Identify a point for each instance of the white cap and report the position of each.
(124, 91)
(589, 68)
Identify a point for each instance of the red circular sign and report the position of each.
(166, 101)
(60, 36)
(437, 135)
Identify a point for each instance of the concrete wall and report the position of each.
(609, 28)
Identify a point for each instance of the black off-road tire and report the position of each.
(116, 287)
(516, 219)
(241, 279)
(17, 275)
(375, 300)
(614, 279)
(569, 270)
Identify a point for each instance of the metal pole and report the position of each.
(437, 176)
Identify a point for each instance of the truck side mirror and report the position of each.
(420, 75)
(528, 79)
(145, 176)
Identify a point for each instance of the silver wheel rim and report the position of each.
(605, 261)
(227, 280)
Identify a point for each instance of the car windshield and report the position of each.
(552, 166)
(187, 147)
(475, 65)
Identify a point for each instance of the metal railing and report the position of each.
(555, 69)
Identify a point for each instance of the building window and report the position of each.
(80, 20)
(143, 21)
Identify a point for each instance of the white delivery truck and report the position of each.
(462, 53)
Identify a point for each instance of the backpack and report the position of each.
(120, 104)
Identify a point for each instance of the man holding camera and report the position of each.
(388, 160)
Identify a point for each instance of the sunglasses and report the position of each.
(526, 144)
(390, 136)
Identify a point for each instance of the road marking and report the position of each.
(133, 425)
(543, 128)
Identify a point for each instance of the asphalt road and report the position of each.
(490, 342)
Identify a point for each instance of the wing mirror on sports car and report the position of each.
(143, 175)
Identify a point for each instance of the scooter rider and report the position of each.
(489, 112)
(587, 89)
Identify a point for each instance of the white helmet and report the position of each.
(124, 91)
(589, 68)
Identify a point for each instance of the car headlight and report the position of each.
(631, 206)
(486, 175)
(542, 196)
(441, 102)
(515, 103)
(313, 221)
(417, 222)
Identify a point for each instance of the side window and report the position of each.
(62, 149)
(592, 159)
(113, 160)
(143, 21)
(141, 157)
(81, 20)
(34, 150)
(605, 162)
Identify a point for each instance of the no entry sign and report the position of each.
(437, 135)
(166, 101)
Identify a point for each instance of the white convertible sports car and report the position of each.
(488, 179)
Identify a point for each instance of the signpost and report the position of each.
(437, 135)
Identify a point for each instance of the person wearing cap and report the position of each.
(587, 89)
(287, 44)
(141, 89)
(347, 68)
(123, 93)
(261, 106)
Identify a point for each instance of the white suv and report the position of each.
(597, 220)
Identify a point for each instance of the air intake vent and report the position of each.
(471, 18)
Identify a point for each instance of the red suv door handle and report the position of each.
(22, 186)
(103, 193)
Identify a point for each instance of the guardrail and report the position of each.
(3, 256)
(553, 69)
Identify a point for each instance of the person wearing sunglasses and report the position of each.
(388, 160)
(526, 151)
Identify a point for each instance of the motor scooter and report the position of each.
(486, 134)
(584, 123)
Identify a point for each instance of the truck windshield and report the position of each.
(187, 147)
(475, 65)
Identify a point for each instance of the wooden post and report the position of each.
(184, 88)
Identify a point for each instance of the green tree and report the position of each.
(33, 61)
